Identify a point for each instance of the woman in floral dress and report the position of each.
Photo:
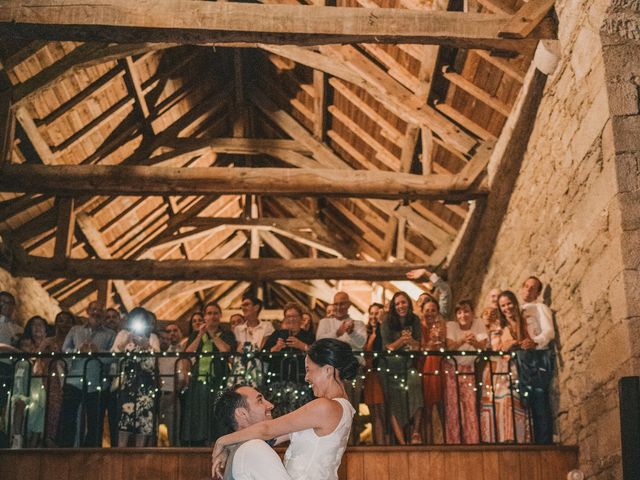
(138, 386)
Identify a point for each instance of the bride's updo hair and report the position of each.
(338, 354)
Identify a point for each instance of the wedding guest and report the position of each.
(466, 333)
(500, 378)
(207, 376)
(53, 371)
(286, 373)
(373, 392)
(137, 378)
(84, 385)
(400, 331)
(434, 331)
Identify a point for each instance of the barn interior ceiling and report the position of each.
(140, 170)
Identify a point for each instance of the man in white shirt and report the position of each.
(10, 331)
(252, 334)
(537, 315)
(341, 326)
(237, 408)
(536, 360)
(170, 371)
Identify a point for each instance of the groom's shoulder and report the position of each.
(252, 448)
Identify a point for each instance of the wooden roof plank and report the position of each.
(467, 123)
(400, 100)
(471, 88)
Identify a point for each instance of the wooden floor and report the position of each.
(359, 463)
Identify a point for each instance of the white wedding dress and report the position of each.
(310, 457)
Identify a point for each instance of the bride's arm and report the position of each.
(281, 439)
(320, 413)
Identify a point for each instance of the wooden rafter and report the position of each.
(83, 56)
(472, 89)
(160, 297)
(119, 20)
(40, 145)
(7, 126)
(347, 64)
(291, 127)
(91, 232)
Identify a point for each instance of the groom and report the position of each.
(237, 408)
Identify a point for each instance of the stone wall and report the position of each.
(31, 298)
(574, 220)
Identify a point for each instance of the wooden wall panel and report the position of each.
(360, 463)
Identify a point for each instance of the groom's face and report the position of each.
(258, 408)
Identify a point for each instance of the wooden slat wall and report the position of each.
(363, 463)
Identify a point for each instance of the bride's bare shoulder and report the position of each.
(323, 406)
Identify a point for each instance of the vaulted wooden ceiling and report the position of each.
(259, 151)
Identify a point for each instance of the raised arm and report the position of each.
(320, 414)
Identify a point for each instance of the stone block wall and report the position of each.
(32, 299)
(573, 219)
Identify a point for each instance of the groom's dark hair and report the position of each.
(225, 408)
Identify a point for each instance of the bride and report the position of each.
(319, 430)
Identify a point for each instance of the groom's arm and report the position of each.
(255, 460)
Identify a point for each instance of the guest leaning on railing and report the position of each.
(536, 361)
(434, 334)
(83, 382)
(373, 392)
(207, 375)
(285, 385)
(400, 331)
(504, 418)
(53, 370)
(465, 333)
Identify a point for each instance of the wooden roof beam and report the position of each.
(159, 298)
(176, 22)
(14, 206)
(526, 19)
(151, 181)
(230, 269)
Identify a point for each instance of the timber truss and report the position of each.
(166, 152)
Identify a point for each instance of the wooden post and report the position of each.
(7, 127)
(104, 292)
(66, 227)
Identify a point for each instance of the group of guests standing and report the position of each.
(414, 394)
(497, 391)
(63, 401)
